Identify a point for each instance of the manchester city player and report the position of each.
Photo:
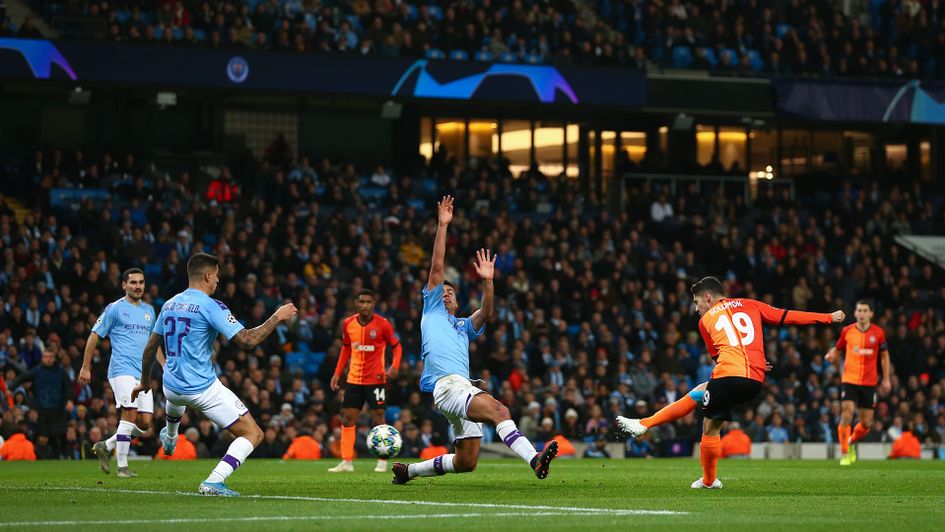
(127, 323)
(445, 353)
(188, 325)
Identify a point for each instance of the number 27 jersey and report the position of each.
(731, 330)
(190, 323)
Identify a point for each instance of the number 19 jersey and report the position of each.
(731, 330)
(190, 323)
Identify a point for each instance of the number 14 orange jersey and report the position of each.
(366, 345)
(731, 330)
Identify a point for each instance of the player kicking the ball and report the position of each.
(445, 354)
(188, 325)
(731, 329)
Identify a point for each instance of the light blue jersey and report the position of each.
(128, 327)
(190, 323)
(445, 340)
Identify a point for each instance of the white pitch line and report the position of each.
(566, 509)
(180, 520)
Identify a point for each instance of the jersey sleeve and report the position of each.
(222, 319)
(471, 331)
(159, 323)
(883, 345)
(391, 335)
(433, 299)
(779, 316)
(345, 337)
(842, 341)
(105, 322)
(155, 315)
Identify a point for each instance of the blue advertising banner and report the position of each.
(164, 66)
(908, 101)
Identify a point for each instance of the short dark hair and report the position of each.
(367, 292)
(449, 284)
(200, 263)
(708, 284)
(866, 302)
(127, 273)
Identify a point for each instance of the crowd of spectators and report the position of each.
(888, 38)
(593, 314)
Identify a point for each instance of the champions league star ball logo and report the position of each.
(237, 70)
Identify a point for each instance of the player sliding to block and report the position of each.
(445, 354)
(188, 325)
(731, 330)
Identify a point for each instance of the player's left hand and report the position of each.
(485, 264)
(139, 389)
(392, 372)
(768, 366)
(885, 387)
(838, 316)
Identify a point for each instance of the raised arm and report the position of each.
(85, 374)
(250, 338)
(444, 215)
(779, 317)
(485, 267)
(147, 361)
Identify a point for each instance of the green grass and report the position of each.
(598, 495)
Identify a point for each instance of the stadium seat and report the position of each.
(435, 53)
(711, 57)
(732, 56)
(294, 362)
(459, 55)
(508, 57)
(201, 35)
(782, 29)
(177, 33)
(533, 59)
(754, 59)
(682, 56)
(391, 414)
(436, 12)
(484, 55)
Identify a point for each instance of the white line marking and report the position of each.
(181, 520)
(567, 509)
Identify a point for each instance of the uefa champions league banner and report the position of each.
(908, 101)
(160, 66)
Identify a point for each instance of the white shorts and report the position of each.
(122, 385)
(452, 395)
(217, 402)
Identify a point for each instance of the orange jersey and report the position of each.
(861, 350)
(732, 333)
(366, 345)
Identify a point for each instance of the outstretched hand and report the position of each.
(838, 316)
(485, 264)
(444, 210)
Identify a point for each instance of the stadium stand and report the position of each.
(621, 340)
(894, 39)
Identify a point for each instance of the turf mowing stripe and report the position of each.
(567, 509)
(181, 520)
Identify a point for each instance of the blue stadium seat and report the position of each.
(435, 53)
(391, 414)
(412, 11)
(782, 29)
(294, 361)
(177, 33)
(153, 269)
(201, 35)
(483, 56)
(732, 56)
(459, 55)
(711, 57)
(754, 59)
(122, 16)
(436, 12)
(682, 56)
(573, 330)
(508, 57)
(533, 59)
(417, 204)
(373, 193)
(318, 357)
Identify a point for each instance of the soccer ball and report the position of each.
(384, 441)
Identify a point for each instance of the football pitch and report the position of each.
(501, 494)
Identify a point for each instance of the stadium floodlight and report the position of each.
(79, 97)
(166, 99)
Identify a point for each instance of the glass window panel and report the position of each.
(633, 145)
(517, 144)
(826, 150)
(705, 144)
(451, 136)
(608, 150)
(426, 143)
(732, 149)
(573, 138)
(483, 138)
(764, 150)
(925, 160)
(549, 149)
(895, 156)
(795, 147)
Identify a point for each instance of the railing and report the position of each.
(749, 185)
